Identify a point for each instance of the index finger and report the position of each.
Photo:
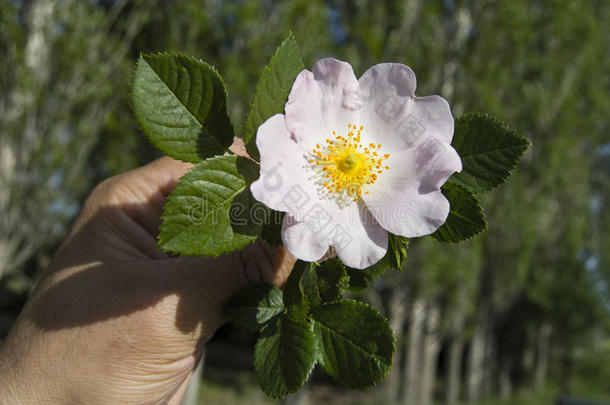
(143, 192)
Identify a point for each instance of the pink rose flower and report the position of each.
(353, 159)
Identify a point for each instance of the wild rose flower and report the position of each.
(352, 160)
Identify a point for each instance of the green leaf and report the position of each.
(356, 343)
(361, 279)
(301, 291)
(284, 356)
(254, 307)
(207, 213)
(397, 251)
(489, 150)
(272, 228)
(466, 217)
(181, 105)
(272, 90)
(393, 259)
(332, 280)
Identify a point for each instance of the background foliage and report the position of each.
(519, 308)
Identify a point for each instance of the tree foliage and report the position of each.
(537, 65)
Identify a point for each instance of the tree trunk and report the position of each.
(430, 350)
(566, 371)
(455, 348)
(37, 50)
(413, 359)
(454, 371)
(505, 383)
(542, 358)
(490, 360)
(395, 309)
(529, 356)
(482, 356)
(474, 365)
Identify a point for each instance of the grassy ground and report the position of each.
(237, 385)
(546, 397)
(229, 379)
(244, 390)
(219, 395)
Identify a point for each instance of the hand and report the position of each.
(115, 320)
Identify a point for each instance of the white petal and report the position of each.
(301, 242)
(435, 162)
(284, 183)
(393, 116)
(357, 238)
(406, 200)
(387, 79)
(322, 101)
(434, 115)
(359, 242)
(385, 91)
(411, 213)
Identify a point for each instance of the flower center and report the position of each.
(350, 162)
(346, 166)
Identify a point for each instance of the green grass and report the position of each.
(242, 390)
(546, 397)
(231, 387)
(246, 391)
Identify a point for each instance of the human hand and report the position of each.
(115, 320)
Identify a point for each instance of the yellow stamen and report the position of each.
(348, 167)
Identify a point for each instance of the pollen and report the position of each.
(348, 166)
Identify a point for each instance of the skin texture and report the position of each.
(115, 321)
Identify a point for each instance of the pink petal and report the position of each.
(360, 241)
(387, 79)
(322, 101)
(385, 91)
(357, 238)
(312, 223)
(435, 162)
(301, 242)
(434, 114)
(406, 199)
(391, 113)
(284, 183)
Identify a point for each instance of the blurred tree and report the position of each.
(541, 69)
(509, 303)
(527, 63)
(61, 61)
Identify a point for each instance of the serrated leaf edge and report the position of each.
(309, 371)
(524, 146)
(480, 209)
(362, 350)
(142, 59)
(166, 208)
(250, 137)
